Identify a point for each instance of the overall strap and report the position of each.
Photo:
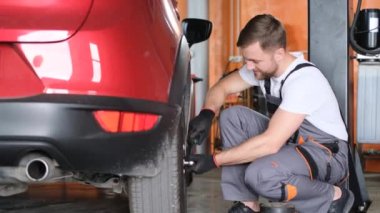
(267, 83)
(267, 86)
(298, 67)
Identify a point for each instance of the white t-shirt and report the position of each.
(306, 91)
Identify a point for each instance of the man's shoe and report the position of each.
(343, 204)
(240, 207)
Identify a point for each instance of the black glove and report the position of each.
(199, 127)
(202, 163)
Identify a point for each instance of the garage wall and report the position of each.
(226, 14)
(369, 165)
(229, 16)
(293, 17)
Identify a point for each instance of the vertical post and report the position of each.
(328, 45)
(329, 50)
(199, 62)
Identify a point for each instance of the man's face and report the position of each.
(262, 63)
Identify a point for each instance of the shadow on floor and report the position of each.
(204, 196)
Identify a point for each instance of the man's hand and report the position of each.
(203, 163)
(199, 127)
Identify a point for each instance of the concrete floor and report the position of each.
(213, 202)
(204, 195)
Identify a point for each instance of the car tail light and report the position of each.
(119, 121)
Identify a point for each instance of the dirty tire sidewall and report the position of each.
(165, 192)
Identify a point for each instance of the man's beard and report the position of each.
(262, 76)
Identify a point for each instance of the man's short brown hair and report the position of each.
(266, 30)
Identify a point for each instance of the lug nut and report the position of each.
(188, 163)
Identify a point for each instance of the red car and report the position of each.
(97, 91)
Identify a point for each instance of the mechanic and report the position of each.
(300, 154)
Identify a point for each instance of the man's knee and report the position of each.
(253, 177)
(229, 115)
(264, 180)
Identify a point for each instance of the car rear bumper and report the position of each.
(64, 128)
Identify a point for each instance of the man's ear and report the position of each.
(279, 54)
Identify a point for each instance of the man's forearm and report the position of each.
(215, 98)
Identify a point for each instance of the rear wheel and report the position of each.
(165, 192)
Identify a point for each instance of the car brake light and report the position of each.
(119, 121)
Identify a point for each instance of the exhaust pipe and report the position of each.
(36, 168)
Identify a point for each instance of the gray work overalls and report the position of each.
(301, 174)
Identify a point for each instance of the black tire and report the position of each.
(165, 192)
(189, 113)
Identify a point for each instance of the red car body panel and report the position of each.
(41, 20)
(22, 83)
(109, 96)
(99, 66)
